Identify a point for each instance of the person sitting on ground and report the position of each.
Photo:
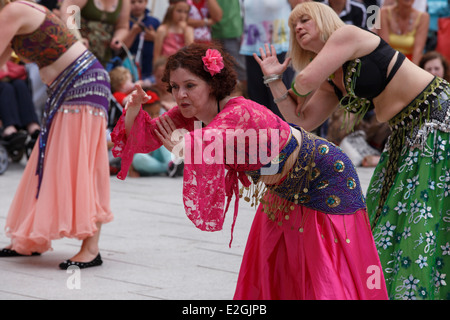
(121, 84)
(17, 111)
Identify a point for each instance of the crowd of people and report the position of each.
(342, 88)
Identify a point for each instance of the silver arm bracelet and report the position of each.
(281, 98)
(272, 77)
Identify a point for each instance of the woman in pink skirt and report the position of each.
(311, 237)
(64, 190)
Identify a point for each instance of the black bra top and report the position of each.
(373, 76)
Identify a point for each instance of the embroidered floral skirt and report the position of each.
(411, 231)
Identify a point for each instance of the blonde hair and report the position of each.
(119, 75)
(327, 21)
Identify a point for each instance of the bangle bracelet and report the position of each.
(296, 93)
(271, 78)
(281, 98)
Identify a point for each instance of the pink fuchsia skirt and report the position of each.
(313, 256)
(75, 189)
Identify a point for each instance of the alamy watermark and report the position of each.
(374, 279)
(228, 146)
(373, 17)
(73, 281)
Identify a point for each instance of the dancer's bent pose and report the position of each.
(311, 237)
(408, 199)
(64, 190)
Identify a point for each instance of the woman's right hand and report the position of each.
(269, 62)
(135, 100)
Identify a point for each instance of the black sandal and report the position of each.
(82, 265)
(12, 253)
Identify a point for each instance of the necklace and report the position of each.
(405, 23)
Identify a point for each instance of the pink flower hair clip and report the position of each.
(213, 61)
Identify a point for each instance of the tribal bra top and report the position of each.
(366, 77)
(47, 43)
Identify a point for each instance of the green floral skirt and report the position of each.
(408, 199)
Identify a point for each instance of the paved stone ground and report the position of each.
(151, 251)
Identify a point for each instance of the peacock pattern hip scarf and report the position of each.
(323, 178)
(84, 82)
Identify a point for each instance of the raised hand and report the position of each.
(137, 98)
(133, 106)
(269, 62)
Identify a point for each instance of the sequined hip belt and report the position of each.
(58, 92)
(431, 105)
(427, 112)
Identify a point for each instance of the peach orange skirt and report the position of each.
(75, 190)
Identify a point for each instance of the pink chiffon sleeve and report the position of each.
(209, 181)
(142, 138)
(210, 177)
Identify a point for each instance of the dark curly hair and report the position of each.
(190, 58)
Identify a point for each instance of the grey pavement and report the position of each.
(151, 251)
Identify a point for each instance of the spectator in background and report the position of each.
(202, 15)
(121, 84)
(17, 110)
(141, 37)
(228, 33)
(174, 32)
(436, 9)
(436, 64)
(265, 21)
(104, 25)
(405, 29)
(165, 97)
(350, 11)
